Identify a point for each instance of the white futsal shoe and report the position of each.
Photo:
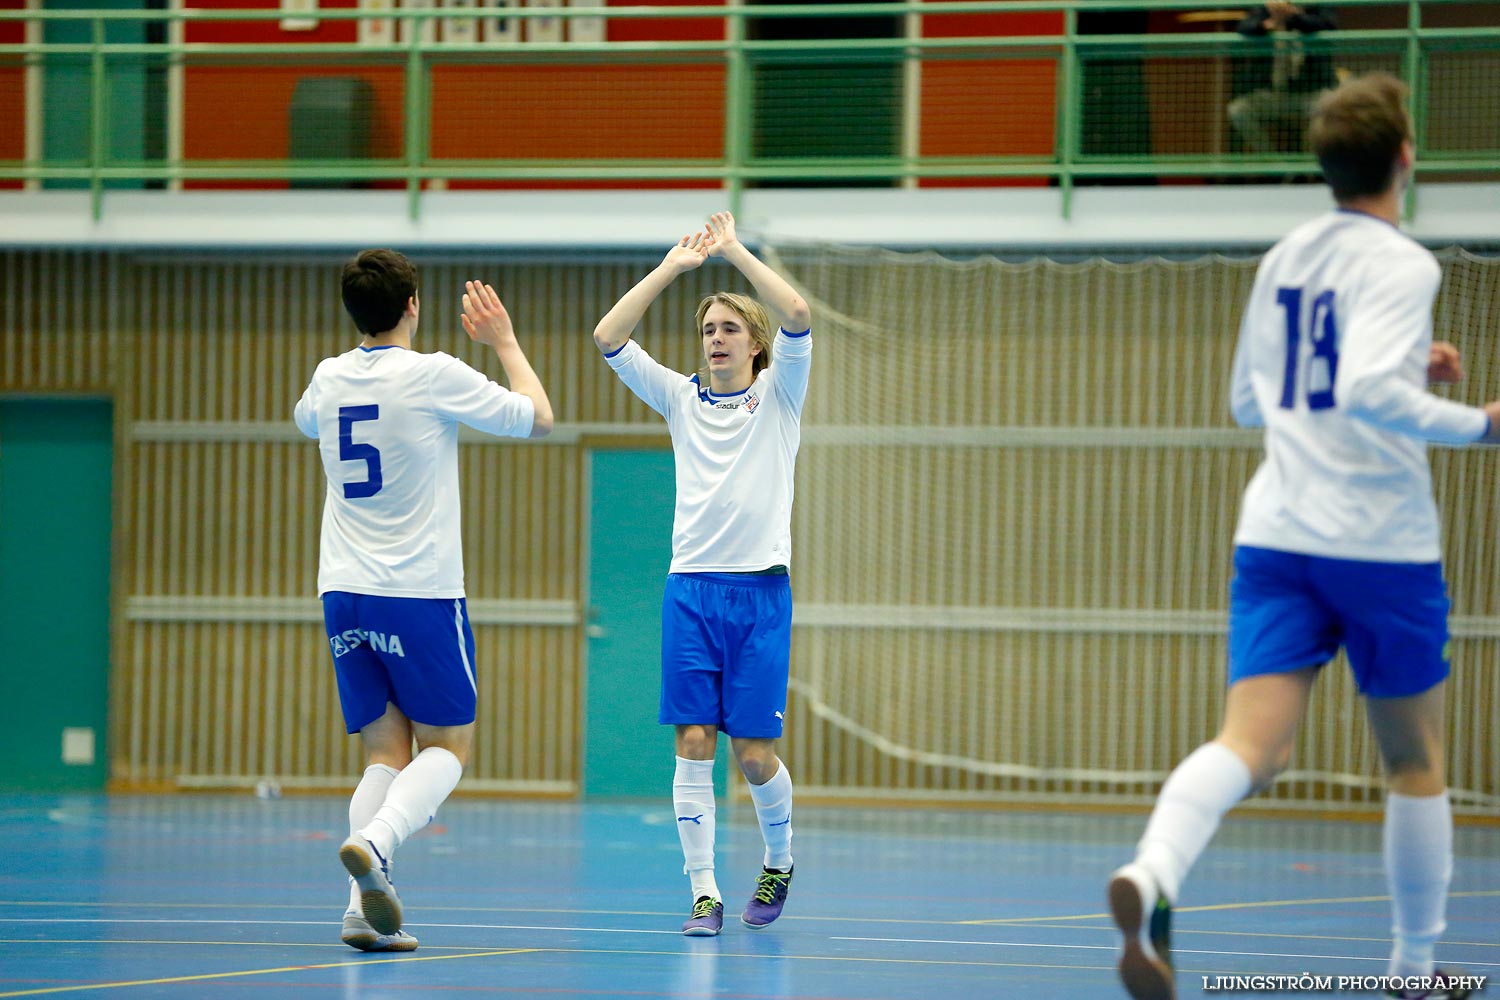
(359, 934)
(377, 896)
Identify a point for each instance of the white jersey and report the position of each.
(386, 420)
(1332, 361)
(734, 457)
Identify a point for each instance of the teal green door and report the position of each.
(55, 469)
(626, 751)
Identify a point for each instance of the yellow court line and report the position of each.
(237, 944)
(258, 972)
(1262, 904)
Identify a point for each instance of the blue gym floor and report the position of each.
(226, 896)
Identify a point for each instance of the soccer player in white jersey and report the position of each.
(390, 569)
(1337, 543)
(727, 610)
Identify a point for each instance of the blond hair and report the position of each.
(757, 322)
(1356, 132)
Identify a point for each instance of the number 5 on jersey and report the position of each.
(352, 451)
(1323, 334)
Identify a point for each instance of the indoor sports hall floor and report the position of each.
(234, 896)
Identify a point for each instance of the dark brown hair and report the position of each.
(377, 284)
(1356, 132)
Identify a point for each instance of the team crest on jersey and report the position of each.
(748, 403)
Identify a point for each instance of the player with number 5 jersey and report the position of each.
(1337, 544)
(390, 567)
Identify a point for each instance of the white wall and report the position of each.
(1219, 216)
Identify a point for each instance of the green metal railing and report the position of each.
(1412, 50)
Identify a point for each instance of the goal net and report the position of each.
(1016, 497)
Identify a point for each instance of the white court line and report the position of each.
(674, 933)
(1111, 928)
(324, 907)
(1175, 950)
(330, 923)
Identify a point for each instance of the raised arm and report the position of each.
(486, 321)
(615, 328)
(784, 302)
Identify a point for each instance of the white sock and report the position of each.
(702, 883)
(693, 800)
(773, 807)
(412, 799)
(1418, 865)
(369, 796)
(1204, 787)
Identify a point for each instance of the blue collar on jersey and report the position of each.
(709, 396)
(382, 347)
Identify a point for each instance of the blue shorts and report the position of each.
(416, 653)
(726, 644)
(1288, 611)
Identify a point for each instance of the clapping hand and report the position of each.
(690, 252)
(485, 319)
(721, 229)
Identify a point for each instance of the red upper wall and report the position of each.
(991, 106)
(12, 92)
(676, 29)
(505, 108)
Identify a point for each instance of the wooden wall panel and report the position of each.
(57, 311)
(1016, 496)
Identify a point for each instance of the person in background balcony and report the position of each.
(1277, 91)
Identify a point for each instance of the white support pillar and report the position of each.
(911, 119)
(176, 93)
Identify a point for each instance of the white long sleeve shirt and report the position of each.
(1332, 361)
(734, 457)
(386, 420)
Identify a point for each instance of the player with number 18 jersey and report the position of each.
(1337, 546)
(1332, 360)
